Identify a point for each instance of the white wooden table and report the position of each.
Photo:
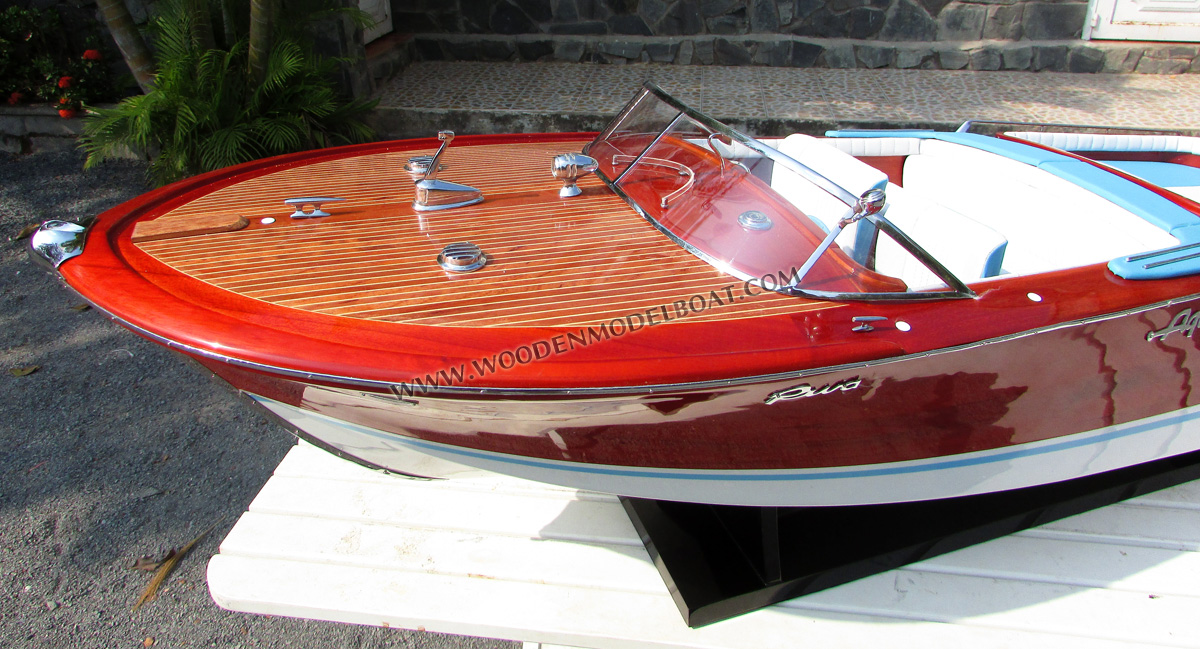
(505, 558)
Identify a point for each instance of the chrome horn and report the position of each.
(569, 168)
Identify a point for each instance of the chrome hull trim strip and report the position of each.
(457, 390)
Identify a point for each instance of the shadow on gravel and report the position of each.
(117, 448)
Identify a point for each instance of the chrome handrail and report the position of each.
(966, 127)
(683, 170)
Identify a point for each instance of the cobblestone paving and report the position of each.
(898, 97)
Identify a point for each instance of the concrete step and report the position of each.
(475, 97)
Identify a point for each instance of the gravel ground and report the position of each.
(116, 448)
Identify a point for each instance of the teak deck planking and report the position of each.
(551, 262)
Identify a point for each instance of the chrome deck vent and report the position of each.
(755, 220)
(462, 257)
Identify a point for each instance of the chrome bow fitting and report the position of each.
(434, 194)
(569, 168)
(55, 242)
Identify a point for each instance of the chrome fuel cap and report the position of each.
(418, 166)
(462, 257)
(755, 220)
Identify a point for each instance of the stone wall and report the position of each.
(945, 34)
(36, 128)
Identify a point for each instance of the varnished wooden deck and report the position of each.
(552, 262)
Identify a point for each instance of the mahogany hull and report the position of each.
(1036, 407)
(646, 372)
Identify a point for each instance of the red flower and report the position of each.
(64, 100)
(65, 82)
(91, 55)
(15, 98)
(66, 113)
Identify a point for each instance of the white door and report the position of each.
(1143, 20)
(381, 11)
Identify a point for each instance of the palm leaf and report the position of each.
(205, 113)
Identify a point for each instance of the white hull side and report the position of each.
(1015, 467)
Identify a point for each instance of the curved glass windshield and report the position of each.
(757, 213)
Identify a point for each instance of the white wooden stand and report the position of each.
(506, 558)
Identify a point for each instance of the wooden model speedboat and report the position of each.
(870, 317)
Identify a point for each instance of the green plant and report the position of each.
(36, 55)
(204, 111)
(18, 29)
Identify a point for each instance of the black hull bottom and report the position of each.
(721, 561)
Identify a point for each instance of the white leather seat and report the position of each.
(876, 146)
(1050, 223)
(841, 168)
(1111, 142)
(968, 249)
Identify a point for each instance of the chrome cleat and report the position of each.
(314, 202)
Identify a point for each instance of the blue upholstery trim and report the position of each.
(991, 267)
(1030, 155)
(1163, 174)
(1135, 198)
(1176, 262)
(863, 237)
(1155, 209)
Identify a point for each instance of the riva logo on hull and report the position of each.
(804, 390)
(1185, 322)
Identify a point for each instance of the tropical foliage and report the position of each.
(207, 109)
(39, 62)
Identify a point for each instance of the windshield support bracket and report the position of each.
(657, 139)
(870, 203)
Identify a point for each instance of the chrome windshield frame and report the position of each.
(650, 89)
(956, 288)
